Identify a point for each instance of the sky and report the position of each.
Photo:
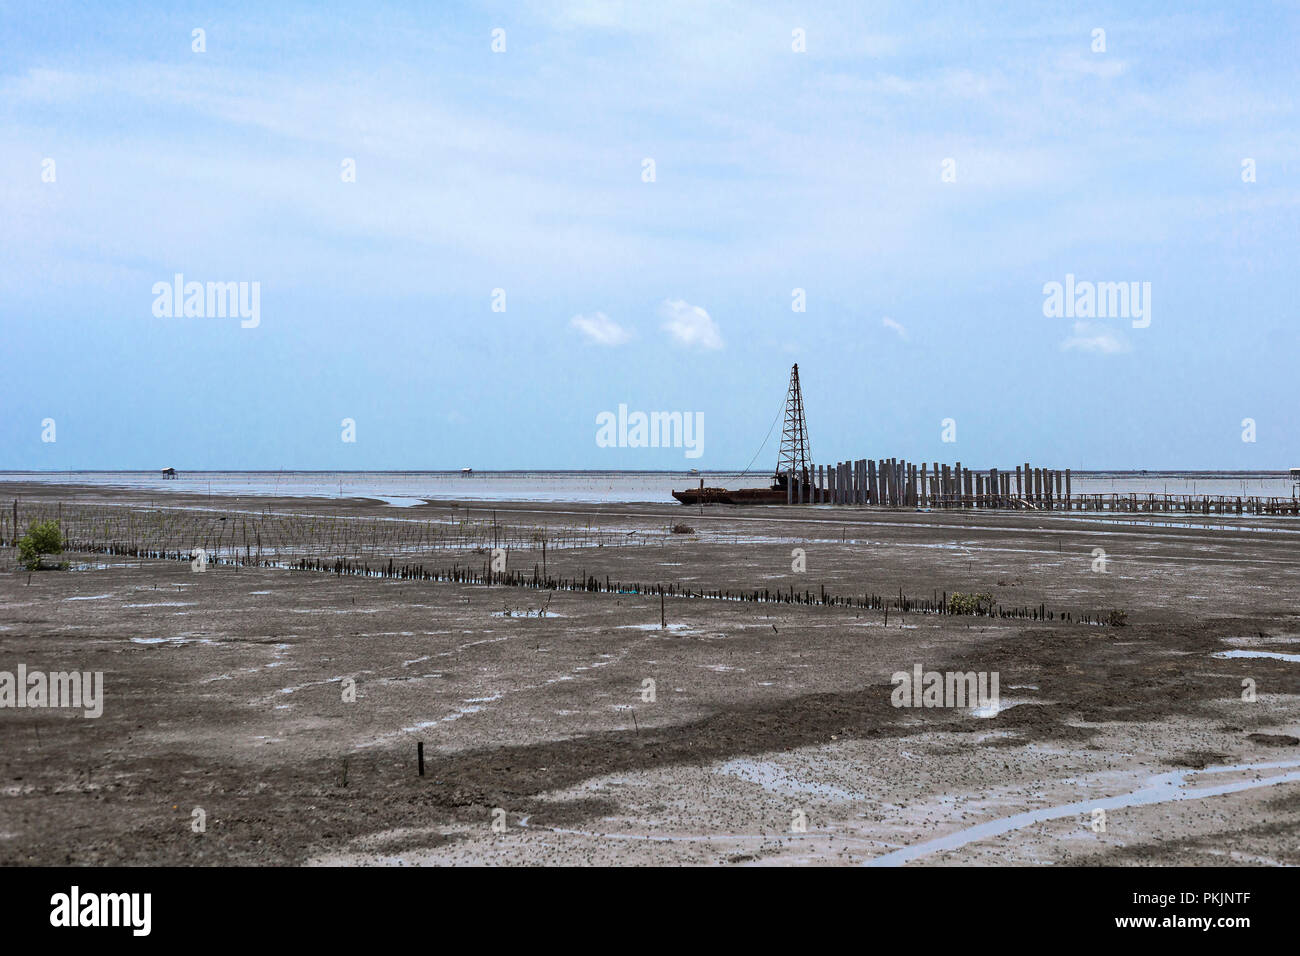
(474, 228)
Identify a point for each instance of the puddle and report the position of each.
(998, 735)
(774, 778)
(89, 597)
(1271, 655)
(316, 683)
(995, 707)
(1161, 788)
(172, 640)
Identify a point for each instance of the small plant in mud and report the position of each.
(1118, 619)
(959, 603)
(508, 611)
(41, 539)
(680, 528)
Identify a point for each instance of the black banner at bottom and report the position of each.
(334, 905)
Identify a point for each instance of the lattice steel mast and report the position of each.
(794, 437)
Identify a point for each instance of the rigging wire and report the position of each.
(764, 445)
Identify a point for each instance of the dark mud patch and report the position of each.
(1197, 759)
(1273, 740)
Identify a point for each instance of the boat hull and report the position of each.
(739, 496)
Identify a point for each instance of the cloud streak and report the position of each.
(1093, 337)
(689, 325)
(601, 329)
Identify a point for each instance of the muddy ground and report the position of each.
(771, 738)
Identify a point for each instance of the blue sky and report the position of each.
(522, 170)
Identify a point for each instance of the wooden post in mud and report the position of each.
(663, 615)
(1068, 495)
(419, 756)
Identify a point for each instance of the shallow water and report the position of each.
(1272, 655)
(407, 488)
(1161, 788)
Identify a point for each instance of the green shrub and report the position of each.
(959, 603)
(1118, 618)
(40, 539)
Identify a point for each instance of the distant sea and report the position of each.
(622, 487)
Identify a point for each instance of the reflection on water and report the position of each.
(1161, 788)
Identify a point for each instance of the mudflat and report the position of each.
(257, 714)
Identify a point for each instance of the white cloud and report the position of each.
(690, 325)
(889, 323)
(600, 328)
(1091, 337)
